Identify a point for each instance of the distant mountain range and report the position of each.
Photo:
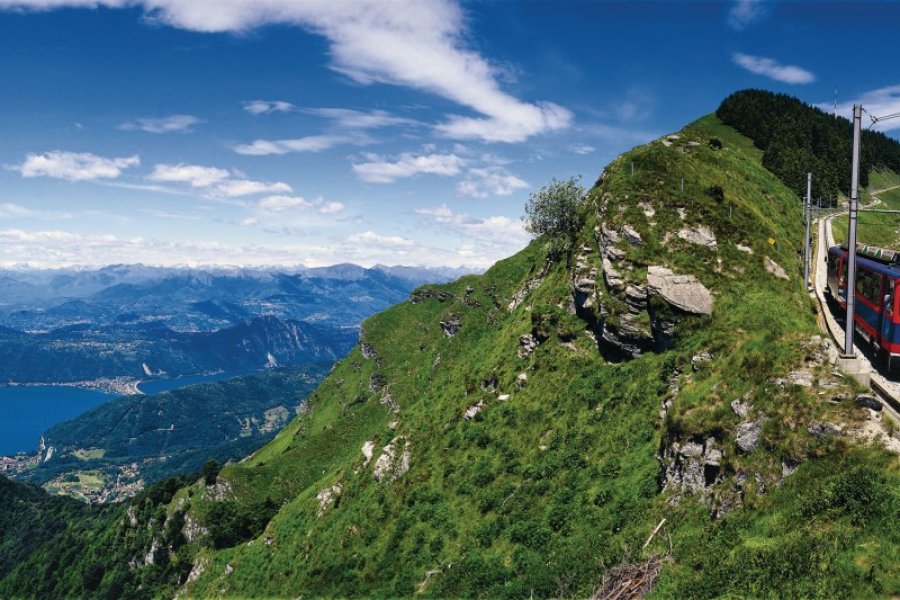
(136, 322)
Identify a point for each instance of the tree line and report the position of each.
(797, 138)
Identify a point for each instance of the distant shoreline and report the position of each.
(120, 385)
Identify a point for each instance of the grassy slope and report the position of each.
(539, 494)
(879, 229)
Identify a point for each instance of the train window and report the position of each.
(868, 285)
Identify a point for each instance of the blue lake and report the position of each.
(30, 411)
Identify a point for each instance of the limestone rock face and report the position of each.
(631, 235)
(326, 498)
(393, 462)
(691, 467)
(681, 291)
(747, 435)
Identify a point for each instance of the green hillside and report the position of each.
(522, 433)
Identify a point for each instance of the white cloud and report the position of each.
(282, 203)
(880, 103)
(495, 236)
(246, 187)
(212, 181)
(312, 143)
(410, 43)
(260, 107)
(745, 13)
(379, 169)
(74, 166)
(195, 175)
(489, 181)
(581, 149)
(357, 119)
(515, 123)
(331, 208)
(771, 69)
(370, 237)
(172, 124)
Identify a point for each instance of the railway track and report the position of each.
(887, 389)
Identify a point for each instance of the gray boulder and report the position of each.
(684, 292)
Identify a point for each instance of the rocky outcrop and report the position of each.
(451, 325)
(747, 435)
(393, 462)
(368, 449)
(327, 498)
(683, 292)
(519, 296)
(691, 467)
(221, 490)
(473, 410)
(698, 234)
(527, 344)
(192, 530)
(774, 268)
(368, 351)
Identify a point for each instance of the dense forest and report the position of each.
(796, 139)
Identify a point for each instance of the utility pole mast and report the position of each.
(807, 208)
(850, 325)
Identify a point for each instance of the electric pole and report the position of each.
(807, 208)
(850, 325)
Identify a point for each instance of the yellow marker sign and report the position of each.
(771, 241)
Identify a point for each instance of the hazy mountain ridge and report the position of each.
(111, 322)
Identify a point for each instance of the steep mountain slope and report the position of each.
(523, 432)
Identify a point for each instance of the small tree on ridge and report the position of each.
(554, 210)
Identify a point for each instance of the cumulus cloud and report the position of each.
(172, 124)
(370, 237)
(282, 203)
(247, 187)
(489, 181)
(214, 181)
(772, 69)
(879, 102)
(410, 43)
(261, 107)
(378, 169)
(745, 13)
(74, 166)
(195, 175)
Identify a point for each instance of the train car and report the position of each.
(877, 313)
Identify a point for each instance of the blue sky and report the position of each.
(285, 132)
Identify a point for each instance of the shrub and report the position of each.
(554, 210)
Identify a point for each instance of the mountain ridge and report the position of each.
(526, 431)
